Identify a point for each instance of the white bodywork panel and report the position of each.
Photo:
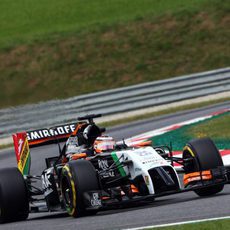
(143, 160)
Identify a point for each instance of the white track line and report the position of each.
(179, 223)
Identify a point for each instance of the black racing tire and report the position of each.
(206, 156)
(78, 177)
(14, 199)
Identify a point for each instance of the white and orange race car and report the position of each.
(84, 184)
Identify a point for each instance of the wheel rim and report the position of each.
(67, 194)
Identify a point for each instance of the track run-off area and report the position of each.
(166, 210)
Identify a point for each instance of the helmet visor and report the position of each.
(104, 145)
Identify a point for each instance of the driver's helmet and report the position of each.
(90, 133)
(103, 144)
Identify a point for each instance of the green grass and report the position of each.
(217, 128)
(28, 20)
(208, 225)
(67, 48)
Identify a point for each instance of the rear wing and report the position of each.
(23, 141)
(46, 136)
(22, 152)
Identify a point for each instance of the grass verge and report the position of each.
(208, 225)
(26, 21)
(216, 128)
(174, 39)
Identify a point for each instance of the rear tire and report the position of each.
(14, 202)
(78, 177)
(206, 156)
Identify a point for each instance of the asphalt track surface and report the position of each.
(170, 209)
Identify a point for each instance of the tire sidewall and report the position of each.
(14, 199)
(75, 176)
(206, 157)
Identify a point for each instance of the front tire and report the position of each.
(205, 156)
(78, 177)
(14, 202)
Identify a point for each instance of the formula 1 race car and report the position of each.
(85, 184)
